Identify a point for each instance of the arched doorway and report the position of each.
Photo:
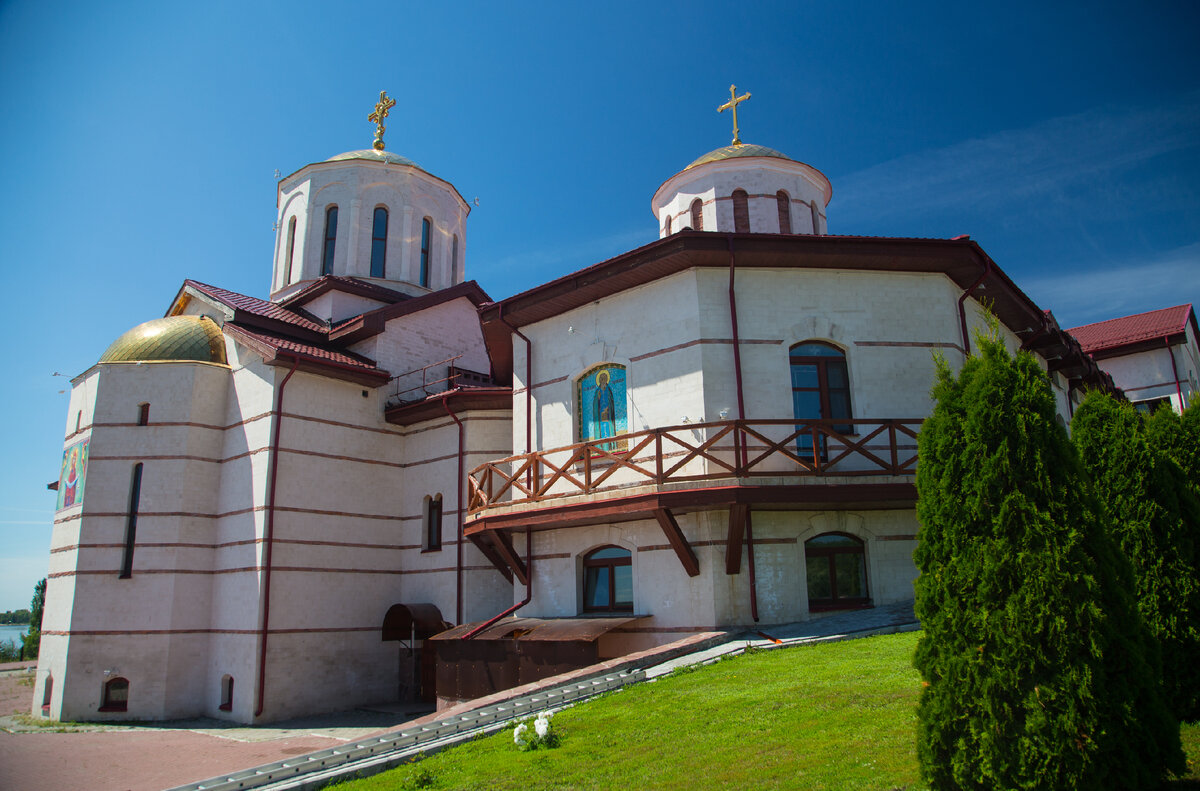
(411, 625)
(836, 567)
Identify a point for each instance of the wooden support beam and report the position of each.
(733, 541)
(503, 544)
(484, 545)
(678, 541)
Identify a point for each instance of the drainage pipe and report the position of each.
(458, 569)
(528, 388)
(528, 590)
(962, 310)
(739, 456)
(750, 564)
(269, 540)
(1175, 373)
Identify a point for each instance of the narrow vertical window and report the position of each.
(697, 215)
(47, 692)
(143, 414)
(78, 419)
(820, 390)
(454, 270)
(291, 249)
(816, 215)
(667, 227)
(330, 240)
(785, 211)
(379, 242)
(135, 494)
(226, 693)
(741, 211)
(116, 695)
(433, 523)
(425, 252)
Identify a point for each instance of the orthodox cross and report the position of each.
(381, 112)
(734, 101)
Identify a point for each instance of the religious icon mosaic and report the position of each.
(74, 472)
(600, 400)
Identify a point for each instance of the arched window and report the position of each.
(330, 240)
(820, 389)
(667, 227)
(226, 693)
(741, 211)
(425, 229)
(78, 419)
(135, 494)
(47, 691)
(837, 572)
(291, 248)
(379, 241)
(116, 695)
(600, 406)
(698, 215)
(433, 523)
(785, 211)
(608, 580)
(816, 217)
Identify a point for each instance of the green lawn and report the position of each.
(833, 716)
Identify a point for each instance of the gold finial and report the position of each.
(381, 112)
(734, 101)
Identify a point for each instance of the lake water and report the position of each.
(12, 634)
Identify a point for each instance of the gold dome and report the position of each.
(732, 152)
(195, 338)
(372, 155)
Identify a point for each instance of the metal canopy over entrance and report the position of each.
(416, 668)
(516, 651)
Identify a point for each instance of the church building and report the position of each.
(379, 483)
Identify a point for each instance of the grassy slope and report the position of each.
(834, 716)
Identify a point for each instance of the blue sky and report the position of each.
(141, 142)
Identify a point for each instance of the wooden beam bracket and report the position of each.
(738, 512)
(678, 541)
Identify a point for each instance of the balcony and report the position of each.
(687, 457)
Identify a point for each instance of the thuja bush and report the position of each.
(1178, 436)
(1155, 517)
(1038, 671)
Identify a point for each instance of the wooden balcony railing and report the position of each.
(700, 452)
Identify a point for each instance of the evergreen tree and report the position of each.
(1155, 517)
(1178, 436)
(1039, 672)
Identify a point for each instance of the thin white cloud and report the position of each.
(1171, 278)
(1020, 165)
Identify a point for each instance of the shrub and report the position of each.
(1155, 517)
(1039, 673)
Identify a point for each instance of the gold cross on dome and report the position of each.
(381, 112)
(734, 101)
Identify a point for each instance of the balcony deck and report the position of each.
(675, 460)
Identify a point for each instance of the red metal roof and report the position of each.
(256, 306)
(352, 285)
(270, 345)
(1132, 329)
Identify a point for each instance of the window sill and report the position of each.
(427, 550)
(225, 707)
(114, 708)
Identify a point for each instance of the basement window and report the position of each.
(116, 695)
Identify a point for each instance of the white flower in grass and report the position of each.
(542, 726)
(519, 735)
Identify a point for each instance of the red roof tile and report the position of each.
(256, 306)
(290, 346)
(1132, 329)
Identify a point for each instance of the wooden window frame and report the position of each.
(329, 250)
(611, 565)
(426, 245)
(823, 364)
(379, 243)
(836, 602)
